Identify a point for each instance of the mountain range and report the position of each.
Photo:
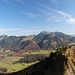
(44, 40)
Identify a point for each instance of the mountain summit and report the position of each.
(44, 32)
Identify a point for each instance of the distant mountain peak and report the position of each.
(44, 32)
(3, 37)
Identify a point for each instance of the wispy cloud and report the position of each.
(54, 1)
(54, 19)
(20, 1)
(69, 1)
(30, 32)
(8, 2)
(32, 15)
(69, 19)
(18, 32)
(57, 16)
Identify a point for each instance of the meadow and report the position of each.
(6, 63)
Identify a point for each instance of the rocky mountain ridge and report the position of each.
(44, 40)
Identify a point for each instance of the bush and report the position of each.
(3, 69)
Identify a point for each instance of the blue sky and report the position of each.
(27, 17)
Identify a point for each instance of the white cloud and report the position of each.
(30, 32)
(8, 2)
(54, 1)
(21, 2)
(57, 16)
(69, 1)
(18, 32)
(54, 19)
(62, 13)
(30, 15)
(69, 19)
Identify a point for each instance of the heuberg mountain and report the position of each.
(44, 40)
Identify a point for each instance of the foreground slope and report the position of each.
(53, 65)
(58, 63)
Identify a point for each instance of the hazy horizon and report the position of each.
(34, 34)
(28, 17)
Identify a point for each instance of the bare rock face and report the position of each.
(70, 68)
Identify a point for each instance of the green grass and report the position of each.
(18, 66)
(3, 65)
(15, 67)
(40, 52)
(8, 60)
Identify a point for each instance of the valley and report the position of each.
(12, 63)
